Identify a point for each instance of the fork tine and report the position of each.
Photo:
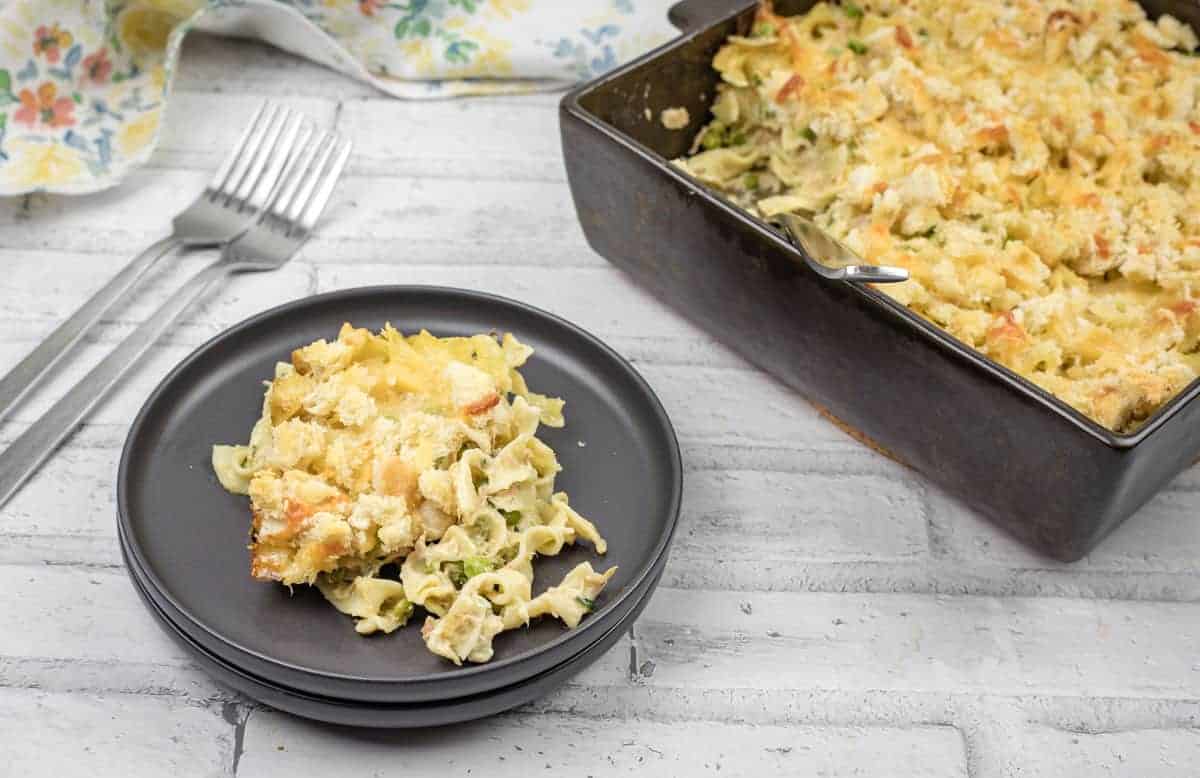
(304, 193)
(246, 154)
(258, 159)
(219, 178)
(316, 206)
(287, 167)
(292, 178)
(276, 157)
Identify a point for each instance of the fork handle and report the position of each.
(18, 381)
(26, 454)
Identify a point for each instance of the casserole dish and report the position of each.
(1055, 479)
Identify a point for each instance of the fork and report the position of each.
(292, 208)
(222, 211)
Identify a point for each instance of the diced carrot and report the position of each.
(479, 406)
(789, 89)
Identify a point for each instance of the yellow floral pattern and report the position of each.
(84, 83)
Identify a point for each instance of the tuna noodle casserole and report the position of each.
(418, 452)
(1035, 166)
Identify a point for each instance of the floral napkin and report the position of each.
(84, 83)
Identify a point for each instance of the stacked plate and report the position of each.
(184, 538)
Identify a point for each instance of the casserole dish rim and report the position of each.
(572, 104)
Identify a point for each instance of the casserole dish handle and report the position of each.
(691, 15)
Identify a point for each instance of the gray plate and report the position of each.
(380, 715)
(187, 536)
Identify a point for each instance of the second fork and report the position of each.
(292, 206)
(217, 216)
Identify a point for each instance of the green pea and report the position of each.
(477, 565)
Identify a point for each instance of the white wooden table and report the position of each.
(825, 611)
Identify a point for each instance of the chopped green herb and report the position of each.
(587, 602)
(477, 565)
(809, 135)
(752, 181)
(929, 232)
(762, 30)
(924, 33)
(455, 571)
(736, 138)
(852, 10)
(511, 518)
(858, 47)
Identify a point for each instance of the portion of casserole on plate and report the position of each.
(1036, 167)
(380, 449)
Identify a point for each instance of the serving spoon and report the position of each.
(832, 258)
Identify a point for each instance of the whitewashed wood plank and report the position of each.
(116, 735)
(447, 221)
(377, 219)
(747, 518)
(517, 744)
(732, 407)
(118, 408)
(72, 495)
(1052, 753)
(43, 288)
(76, 614)
(510, 138)
(998, 646)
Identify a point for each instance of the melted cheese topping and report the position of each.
(1036, 167)
(421, 452)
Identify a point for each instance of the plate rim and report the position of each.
(228, 655)
(662, 543)
(557, 675)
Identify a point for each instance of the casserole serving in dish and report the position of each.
(1047, 472)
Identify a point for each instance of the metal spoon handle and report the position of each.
(831, 258)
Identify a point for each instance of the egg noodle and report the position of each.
(1035, 166)
(421, 452)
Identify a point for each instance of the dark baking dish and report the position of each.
(1052, 477)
